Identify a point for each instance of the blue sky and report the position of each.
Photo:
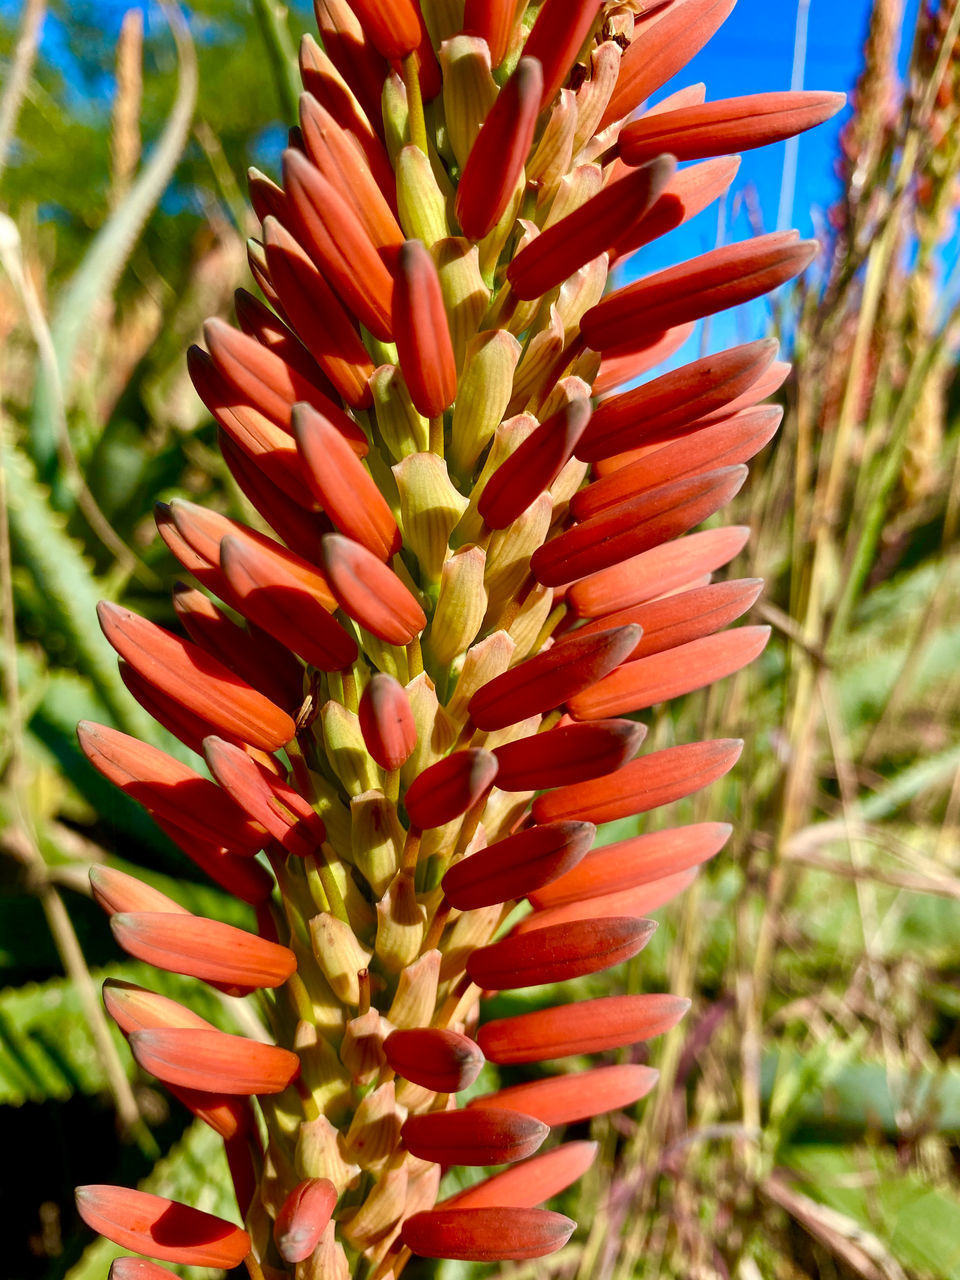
(753, 53)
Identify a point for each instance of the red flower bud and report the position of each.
(441, 1060)
(486, 1235)
(450, 787)
(386, 721)
(473, 1137)
(303, 1218)
(518, 865)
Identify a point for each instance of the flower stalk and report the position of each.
(485, 552)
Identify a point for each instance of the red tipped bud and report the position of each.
(677, 619)
(499, 152)
(645, 784)
(287, 602)
(115, 891)
(331, 231)
(649, 413)
(557, 37)
(526, 1185)
(569, 244)
(634, 526)
(517, 865)
(546, 681)
(724, 443)
(656, 572)
(557, 954)
(534, 465)
(450, 787)
(630, 863)
(571, 753)
(647, 681)
(268, 800)
(441, 1060)
(610, 1022)
(473, 1137)
(494, 21)
(734, 124)
(701, 287)
(370, 592)
(386, 721)
(486, 1235)
(318, 315)
(568, 1099)
(203, 948)
(169, 789)
(343, 485)
(303, 1218)
(162, 1228)
(422, 331)
(214, 1061)
(186, 673)
(392, 25)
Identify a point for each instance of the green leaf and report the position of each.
(68, 585)
(195, 1172)
(919, 1223)
(858, 1098)
(46, 1049)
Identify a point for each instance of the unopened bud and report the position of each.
(339, 955)
(421, 204)
(469, 91)
(361, 1050)
(436, 730)
(319, 1156)
(396, 115)
(346, 749)
(401, 921)
(461, 604)
(381, 1209)
(374, 1132)
(485, 390)
(490, 658)
(416, 997)
(386, 721)
(403, 429)
(377, 839)
(430, 509)
(465, 296)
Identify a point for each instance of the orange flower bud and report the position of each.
(580, 1095)
(646, 783)
(609, 1022)
(163, 1228)
(423, 332)
(303, 1218)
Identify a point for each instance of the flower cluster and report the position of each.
(415, 701)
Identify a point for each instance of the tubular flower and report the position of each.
(485, 550)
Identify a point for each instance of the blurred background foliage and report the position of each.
(808, 1119)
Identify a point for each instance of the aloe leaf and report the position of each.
(857, 1098)
(919, 1223)
(46, 1049)
(64, 577)
(100, 269)
(195, 1171)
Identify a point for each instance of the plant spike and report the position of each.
(485, 549)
